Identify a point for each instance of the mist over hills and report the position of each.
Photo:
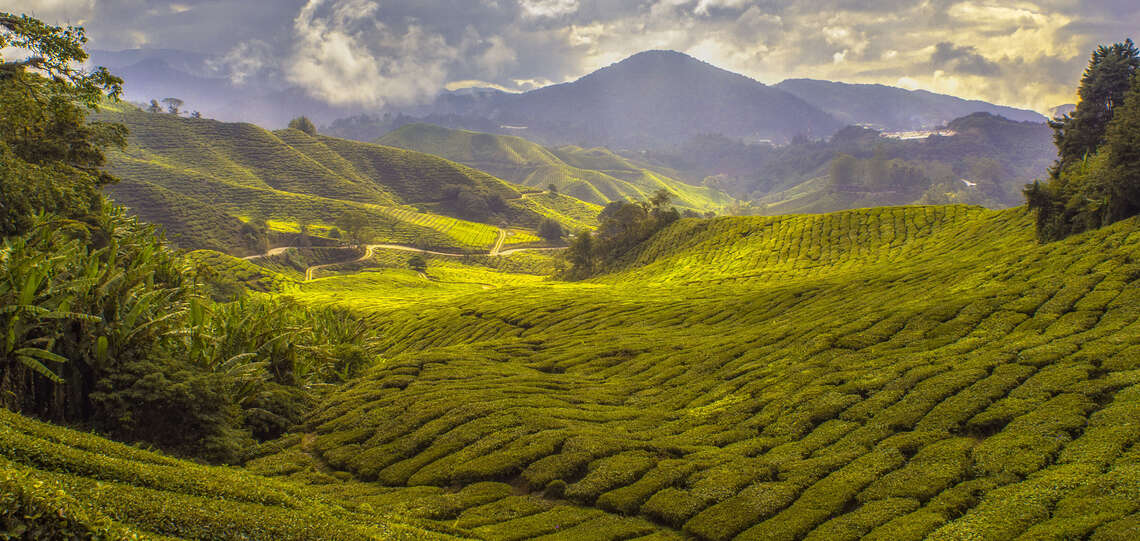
(651, 99)
(891, 108)
(197, 79)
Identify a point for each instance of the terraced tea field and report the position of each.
(595, 175)
(895, 373)
(199, 178)
(98, 489)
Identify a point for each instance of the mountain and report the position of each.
(202, 178)
(659, 96)
(979, 159)
(595, 175)
(648, 100)
(894, 109)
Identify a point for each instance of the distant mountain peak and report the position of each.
(667, 63)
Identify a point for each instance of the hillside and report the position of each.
(202, 179)
(893, 373)
(980, 159)
(57, 483)
(894, 109)
(594, 175)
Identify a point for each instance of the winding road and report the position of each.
(369, 249)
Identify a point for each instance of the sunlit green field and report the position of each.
(896, 373)
(201, 179)
(892, 373)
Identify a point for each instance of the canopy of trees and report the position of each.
(303, 123)
(624, 225)
(550, 230)
(51, 155)
(104, 326)
(1096, 179)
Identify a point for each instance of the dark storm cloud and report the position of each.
(965, 59)
(371, 52)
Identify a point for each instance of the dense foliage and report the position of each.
(624, 225)
(1096, 179)
(102, 324)
(303, 124)
(49, 154)
(107, 327)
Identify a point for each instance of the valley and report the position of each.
(672, 303)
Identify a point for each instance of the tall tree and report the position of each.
(51, 154)
(173, 105)
(1103, 88)
(550, 230)
(1123, 145)
(1094, 181)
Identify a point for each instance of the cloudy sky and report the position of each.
(369, 52)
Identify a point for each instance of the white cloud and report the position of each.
(245, 61)
(537, 9)
(703, 6)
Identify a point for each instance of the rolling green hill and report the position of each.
(61, 484)
(596, 175)
(895, 373)
(892, 373)
(202, 178)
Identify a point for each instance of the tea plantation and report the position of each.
(596, 175)
(892, 373)
(200, 178)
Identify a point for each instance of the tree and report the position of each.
(1102, 89)
(1122, 142)
(354, 223)
(154, 107)
(843, 171)
(303, 232)
(303, 123)
(196, 114)
(580, 254)
(172, 105)
(552, 188)
(51, 155)
(550, 230)
(1094, 182)
(660, 198)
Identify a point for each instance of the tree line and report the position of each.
(1096, 178)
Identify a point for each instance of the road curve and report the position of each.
(369, 249)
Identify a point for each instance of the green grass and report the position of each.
(594, 175)
(890, 373)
